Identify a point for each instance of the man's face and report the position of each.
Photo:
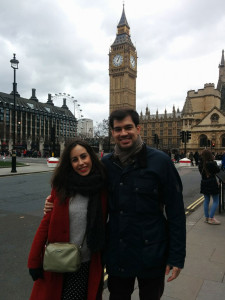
(125, 133)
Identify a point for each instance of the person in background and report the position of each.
(223, 161)
(142, 242)
(209, 185)
(79, 197)
(196, 157)
(191, 157)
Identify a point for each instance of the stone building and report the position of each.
(39, 126)
(203, 115)
(85, 128)
(165, 126)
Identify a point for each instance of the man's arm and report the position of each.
(176, 219)
(48, 205)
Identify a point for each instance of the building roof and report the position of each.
(34, 106)
(124, 36)
(123, 20)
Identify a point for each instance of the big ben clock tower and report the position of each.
(122, 68)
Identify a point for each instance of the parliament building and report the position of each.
(203, 113)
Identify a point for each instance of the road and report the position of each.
(21, 208)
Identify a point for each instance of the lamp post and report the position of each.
(14, 65)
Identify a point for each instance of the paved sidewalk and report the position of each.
(29, 168)
(203, 277)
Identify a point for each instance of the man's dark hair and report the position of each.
(121, 114)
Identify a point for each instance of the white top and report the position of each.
(78, 222)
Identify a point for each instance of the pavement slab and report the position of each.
(212, 290)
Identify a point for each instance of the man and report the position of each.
(141, 242)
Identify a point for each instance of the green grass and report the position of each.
(8, 164)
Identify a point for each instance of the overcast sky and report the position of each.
(62, 46)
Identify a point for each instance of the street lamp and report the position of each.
(14, 65)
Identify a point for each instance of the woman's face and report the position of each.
(80, 160)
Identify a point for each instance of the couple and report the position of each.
(138, 190)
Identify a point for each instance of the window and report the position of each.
(1, 114)
(214, 118)
(223, 141)
(203, 141)
(31, 105)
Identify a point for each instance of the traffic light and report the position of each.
(156, 138)
(213, 144)
(182, 136)
(188, 135)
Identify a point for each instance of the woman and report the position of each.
(79, 210)
(209, 185)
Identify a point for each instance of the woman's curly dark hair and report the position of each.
(64, 168)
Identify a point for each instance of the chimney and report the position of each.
(33, 97)
(50, 99)
(64, 104)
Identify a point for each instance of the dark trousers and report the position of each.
(122, 288)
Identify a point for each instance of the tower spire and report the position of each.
(123, 31)
(123, 19)
(222, 59)
(221, 80)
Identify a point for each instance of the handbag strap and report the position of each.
(81, 245)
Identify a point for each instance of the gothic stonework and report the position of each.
(203, 115)
(122, 68)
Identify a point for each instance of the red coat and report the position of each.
(54, 227)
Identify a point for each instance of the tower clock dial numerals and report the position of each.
(117, 60)
(132, 61)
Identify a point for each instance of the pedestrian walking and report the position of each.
(78, 217)
(209, 185)
(196, 157)
(191, 157)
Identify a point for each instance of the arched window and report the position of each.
(214, 118)
(203, 141)
(223, 140)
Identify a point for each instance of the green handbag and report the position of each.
(62, 257)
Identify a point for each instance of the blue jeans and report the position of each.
(213, 207)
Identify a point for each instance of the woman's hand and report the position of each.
(48, 205)
(36, 273)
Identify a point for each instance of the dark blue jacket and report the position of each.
(140, 239)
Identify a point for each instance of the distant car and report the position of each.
(219, 162)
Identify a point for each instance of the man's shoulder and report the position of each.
(156, 153)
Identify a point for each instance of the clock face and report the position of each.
(132, 61)
(117, 60)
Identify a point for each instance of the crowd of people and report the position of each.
(26, 153)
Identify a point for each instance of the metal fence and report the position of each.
(221, 177)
